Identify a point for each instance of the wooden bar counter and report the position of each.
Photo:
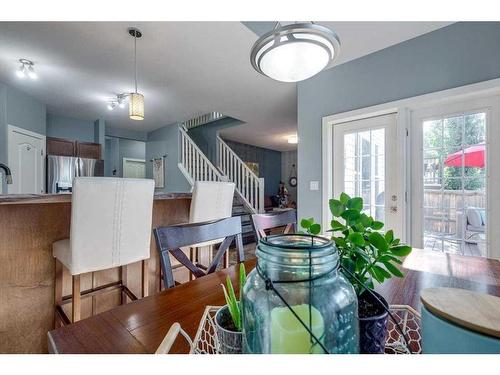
(29, 224)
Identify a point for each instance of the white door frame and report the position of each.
(15, 129)
(403, 108)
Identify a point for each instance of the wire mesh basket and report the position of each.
(206, 342)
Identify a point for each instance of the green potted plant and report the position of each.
(228, 321)
(366, 254)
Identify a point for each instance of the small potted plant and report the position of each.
(366, 255)
(228, 322)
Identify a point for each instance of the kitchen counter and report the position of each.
(63, 198)
(29, 224)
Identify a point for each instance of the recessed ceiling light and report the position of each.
(294, 52)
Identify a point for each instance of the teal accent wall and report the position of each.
(457, 55)
(269, 163)
(126, 133)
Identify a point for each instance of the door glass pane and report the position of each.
(454, 165)
(364, 169)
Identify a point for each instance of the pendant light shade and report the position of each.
(295, 52)
(136, 100)
(136, 106)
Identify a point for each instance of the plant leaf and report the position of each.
(382, 272)
(377, 225)
(243, 278)
(336, 207)
(315, 229)
(305, 223)
(366, 220)
(233, 306)
(351, 215)
(344, 198)
(377, 240)
(355, 204)
(356, 238)
(401, 250)
(389, 236)
(393, 269)
(336, 225)
(340, 242)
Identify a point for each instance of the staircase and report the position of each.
(249, 189)
(248, 184)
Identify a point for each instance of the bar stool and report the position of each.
(110, 227)
(210, 201)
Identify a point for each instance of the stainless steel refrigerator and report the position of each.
(61, 170)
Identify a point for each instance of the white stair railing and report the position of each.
(194, 164)
(248, 184)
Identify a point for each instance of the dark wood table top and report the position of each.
(139, 327)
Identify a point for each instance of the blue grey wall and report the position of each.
(127, 134)
(269, 163)
(21, 110)
(70, 128)
(163, 141)
(205, 136)
(457, 55)
(119, 148)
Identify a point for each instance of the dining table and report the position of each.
(140, 326)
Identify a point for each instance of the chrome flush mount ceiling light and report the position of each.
(295, 52)
(136, 100)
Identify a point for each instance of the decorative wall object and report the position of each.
(253, 166)
(159, 172)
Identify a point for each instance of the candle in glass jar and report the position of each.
(288, 335)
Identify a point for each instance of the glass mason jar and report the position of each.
(298, 272)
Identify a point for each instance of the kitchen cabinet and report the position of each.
(88, 150)
(61, 147)
(67, 147)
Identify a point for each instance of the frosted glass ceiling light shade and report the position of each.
(136, 106)
(295, 52)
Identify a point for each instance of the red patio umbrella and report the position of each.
(473, 157)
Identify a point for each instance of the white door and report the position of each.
(365, 164)
(26, 155)
(450, 175)
(134, 168)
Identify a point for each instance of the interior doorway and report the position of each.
(134, 168)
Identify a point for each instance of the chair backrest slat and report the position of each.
(170, 239)
(262, 222)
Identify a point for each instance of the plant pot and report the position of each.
(230, 340)
(373, 320)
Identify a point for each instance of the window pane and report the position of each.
(475, 128)
(452, 131)
(433, 133)
(364, 143)
(350, 145)
(378, 142)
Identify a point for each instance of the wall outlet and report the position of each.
(313, 185)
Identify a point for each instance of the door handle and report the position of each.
(393, 209)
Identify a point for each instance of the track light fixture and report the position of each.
(119, 101)
(26, 69)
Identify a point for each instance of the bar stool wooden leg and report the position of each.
(145, 278)
(124, 280)
(76, 301)
(58, 290)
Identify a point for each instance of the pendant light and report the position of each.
(136, 100)
(295, 52)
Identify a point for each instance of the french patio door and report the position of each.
(365, 164)
(450, 174)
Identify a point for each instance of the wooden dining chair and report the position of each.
(169, 241)
(263, 222)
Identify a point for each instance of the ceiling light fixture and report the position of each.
(118, 101)
(26, 69)
(295, 52)
(136, 104)
(293, 139)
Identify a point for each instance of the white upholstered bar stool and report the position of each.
(210, 201)
(110, 227)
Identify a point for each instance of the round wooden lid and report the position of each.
(474, 311)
